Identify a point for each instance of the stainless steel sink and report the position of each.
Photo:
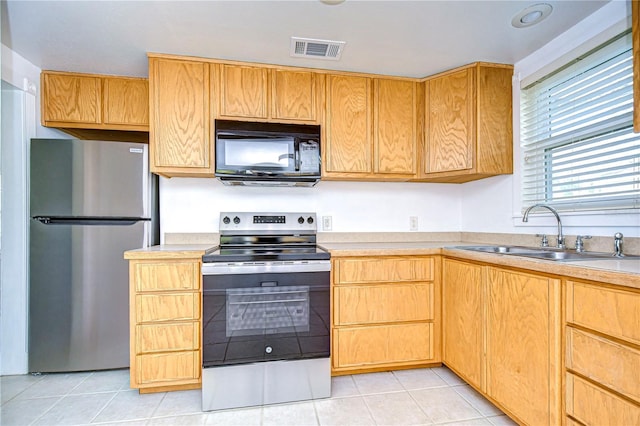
(546, 253)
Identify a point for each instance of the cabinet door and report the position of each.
(450, 133)
(382, 345)
(166, 275)
(463, 301)
(366, 304)
(179, 139)
(243, 91)
(635, 25)
(348, 147)
(383, 269)
(395, 126)
(294, 95)
(71, 99)
(171, 368)
(523, 345)
(126, 102)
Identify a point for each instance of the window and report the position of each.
(579, 149)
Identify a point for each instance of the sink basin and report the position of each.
(500, 249)
(546, 253)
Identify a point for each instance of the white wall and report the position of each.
(493, 205)
(194, 205)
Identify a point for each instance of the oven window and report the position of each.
(265, 316)
(267, 310)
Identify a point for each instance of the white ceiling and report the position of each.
(408, 38)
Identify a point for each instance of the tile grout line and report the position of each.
(103, 407)
(42, 376)
(61, 397)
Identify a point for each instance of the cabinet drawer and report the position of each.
(606, 362)
(365, 304)
(610, 311)
(384, 344)
(592, 405)
(167, 337)
(180, 275)
(383, 269)
(168, 367)
(167, 307)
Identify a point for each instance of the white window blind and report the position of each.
(579, 149)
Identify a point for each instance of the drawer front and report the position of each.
(168, 367)
(606, 362)
(592, 405)
(385, 344)
(384, 269)
(168, 275)
(366, 304)
(610, 311)
(168, 337)
(167, 307)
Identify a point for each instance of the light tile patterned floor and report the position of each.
(406, 397)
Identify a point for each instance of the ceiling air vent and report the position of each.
(316, 49)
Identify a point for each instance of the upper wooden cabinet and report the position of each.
(468, 124)
(259, 93)
(347, 147)
(370, 128)
(394, 121)
(86, 104)
(243, 91)
(126, 101)
(180, 131)
(635, 28)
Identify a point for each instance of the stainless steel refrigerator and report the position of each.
(90, 201)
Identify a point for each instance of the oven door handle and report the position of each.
(265, 268)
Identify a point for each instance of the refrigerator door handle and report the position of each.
(90, 220)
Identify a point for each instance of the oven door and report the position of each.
(265, 312)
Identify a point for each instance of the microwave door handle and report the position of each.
(297, 160)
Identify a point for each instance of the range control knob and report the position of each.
(236, 220)
(301, 220)
(310, 220)
(226, 220)
(268, 349)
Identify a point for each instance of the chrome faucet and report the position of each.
(525, 218)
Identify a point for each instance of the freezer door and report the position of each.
(79, 295)
(89, 178)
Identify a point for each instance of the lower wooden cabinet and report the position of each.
(592, 405)
(382, 344)
(386, 312)
(502, 334)
(165, 317)
(463, 307)
(523, 345)
(602, 353)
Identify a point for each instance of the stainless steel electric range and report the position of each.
(265, 312)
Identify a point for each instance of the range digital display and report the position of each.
(269, 219)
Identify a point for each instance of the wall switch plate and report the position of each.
(326, 223)
(413, 223)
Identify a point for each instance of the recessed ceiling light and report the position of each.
(531, 15)
(331, 2)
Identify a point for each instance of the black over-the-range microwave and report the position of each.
(267, 154)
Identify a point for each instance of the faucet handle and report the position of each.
(544, 242)
(617, 245)
(580, 243)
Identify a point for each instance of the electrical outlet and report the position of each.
(326, 223)
(413, 223)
